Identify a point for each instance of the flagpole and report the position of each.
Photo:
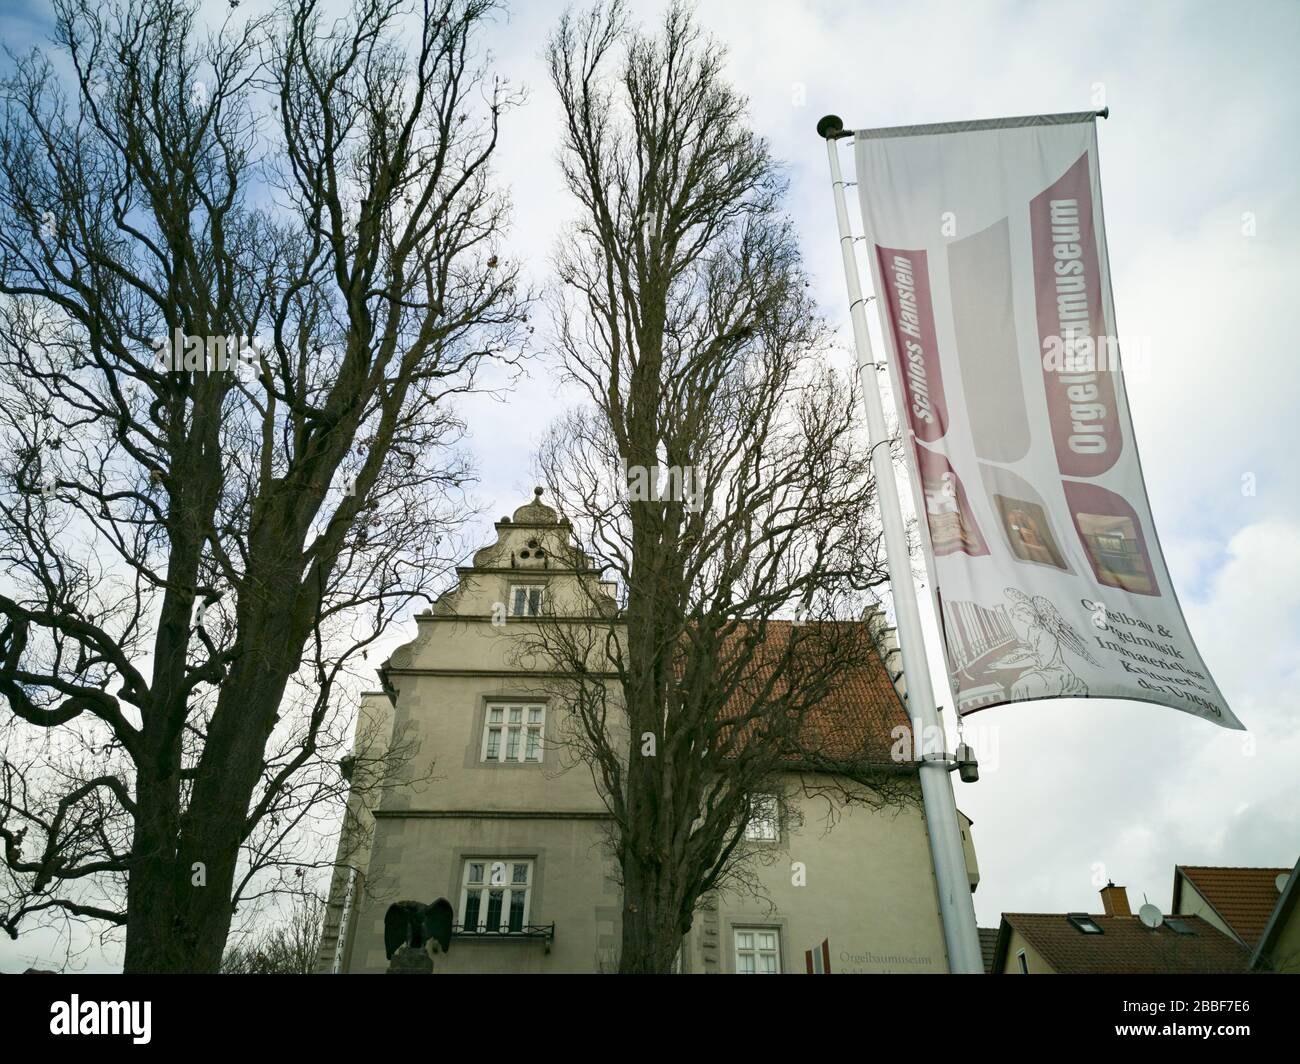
(946, 851)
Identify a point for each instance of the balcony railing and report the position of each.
(544, 933)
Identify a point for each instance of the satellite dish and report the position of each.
(1150, 916)
(1281, 881)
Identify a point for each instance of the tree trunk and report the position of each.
(151, 903)
(651, 928)
(178, 908)
(179, 902)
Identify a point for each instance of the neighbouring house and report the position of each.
(1238, 901)
(988, 947)
(1113, 942)
(502, 820)
(1278, 948)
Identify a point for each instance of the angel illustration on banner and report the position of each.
(1043, 640)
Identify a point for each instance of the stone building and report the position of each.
(500, 820)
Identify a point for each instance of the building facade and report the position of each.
(492, 813)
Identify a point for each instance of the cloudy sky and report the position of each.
(1204, 128)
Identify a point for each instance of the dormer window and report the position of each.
(526, 600)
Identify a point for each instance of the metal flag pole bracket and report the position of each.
(946, 849)
(964, 762)
(832, 128)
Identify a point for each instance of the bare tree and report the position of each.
(716, 470)
(288, 947)
(185, 540)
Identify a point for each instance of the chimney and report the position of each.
(1115, 900)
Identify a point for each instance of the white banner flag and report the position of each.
(988, 251)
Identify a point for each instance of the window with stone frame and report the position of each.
(495, 894)
(513, 733)
(527, 600)
(764, 818)
(758, 950)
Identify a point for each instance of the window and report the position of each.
(1024, 964)
(764, 820)
(1084, 923)
(526, 600)
(758, 951)
(512, 732)
(495, 894)
(1179, 927)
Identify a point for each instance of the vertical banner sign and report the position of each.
(989, 257)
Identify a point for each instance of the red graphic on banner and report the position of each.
(1071, 327)
(911, 317)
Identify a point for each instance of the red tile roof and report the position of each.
(854, 722)
(1125, 946)
(1244, 898)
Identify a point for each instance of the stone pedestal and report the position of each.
(408, 961)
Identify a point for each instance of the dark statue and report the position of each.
(422, 927)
